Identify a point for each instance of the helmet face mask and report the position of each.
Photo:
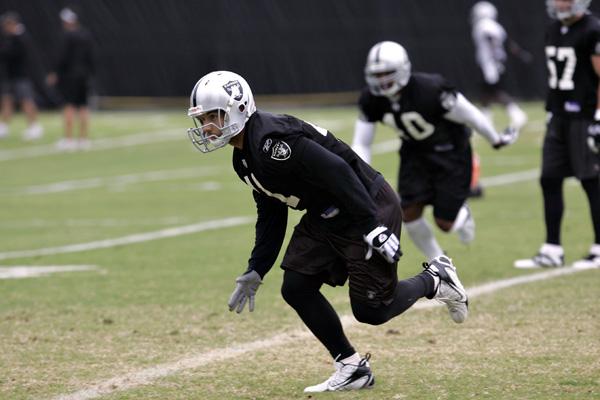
(220, 104)
(388, 69)
(565, 11)
(212, 130)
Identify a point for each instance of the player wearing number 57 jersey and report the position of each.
(349, 232)
(572, 138)
(434, 122)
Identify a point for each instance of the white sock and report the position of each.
(555, 250)
(354, 359)
(595, 249)
(517, 117)
(460, 219)
(422, 236)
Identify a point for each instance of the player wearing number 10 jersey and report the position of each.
(573, 128)
(434, 122)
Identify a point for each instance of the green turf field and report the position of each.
(151, 321)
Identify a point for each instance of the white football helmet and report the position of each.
(230, 95)
(388, 69)
(577, 7)
(483, 10)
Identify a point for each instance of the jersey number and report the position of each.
(561, 55)
(290, 201)
(415, 126)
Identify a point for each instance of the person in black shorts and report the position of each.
(433, 121)
(73, 74)
(350, 231)
(17, 53)
(572, 136)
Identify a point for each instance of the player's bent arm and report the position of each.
(464, 112)
(594, 128)
(364, 132)
(596, 65)
(271, 223)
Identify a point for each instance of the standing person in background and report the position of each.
(434, 122)
(72, 75)
(572, 138)
(489, 38)
(17, 55)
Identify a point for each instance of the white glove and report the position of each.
(508, 136)
(385, 242)
(245, 289)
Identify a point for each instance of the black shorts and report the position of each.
(565, 152)
(441, 179)
(20, 88)
(74, 91)
(494, 92)
(335, 257)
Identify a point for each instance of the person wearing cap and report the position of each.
(72, 76)
(17, 55)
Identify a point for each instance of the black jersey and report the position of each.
(572, 81)
(16, 51)
(76, 59)
(291, 163)
(418, 115)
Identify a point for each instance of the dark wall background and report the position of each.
(160, 48)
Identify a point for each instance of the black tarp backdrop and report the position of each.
(160, 48)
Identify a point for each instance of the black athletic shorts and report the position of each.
(20, 88)
(74, 91)
(494, 92)
(441, 179)
(336, 257)
(565, 152)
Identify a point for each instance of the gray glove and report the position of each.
(508, 136)
(594, 137)
(245, 289)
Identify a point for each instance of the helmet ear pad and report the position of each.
(225, 91)
(387, 69)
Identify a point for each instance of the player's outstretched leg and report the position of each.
(448, 288)
(347, 376)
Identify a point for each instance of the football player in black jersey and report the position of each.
(350, 230)
(572, 133)
(433, 121)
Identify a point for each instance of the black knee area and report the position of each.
(551, 185)
(369, 315)
(296, 288)
(591, 186)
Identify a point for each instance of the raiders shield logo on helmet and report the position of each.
(234, 89)
(281, 151)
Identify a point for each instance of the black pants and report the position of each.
(302, 292)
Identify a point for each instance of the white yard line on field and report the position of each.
(130, 239)
(115, 142)
(507, 179)
(116, 181)
(183, 230)
(29, 271)
(149, 375)
(97, 144)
